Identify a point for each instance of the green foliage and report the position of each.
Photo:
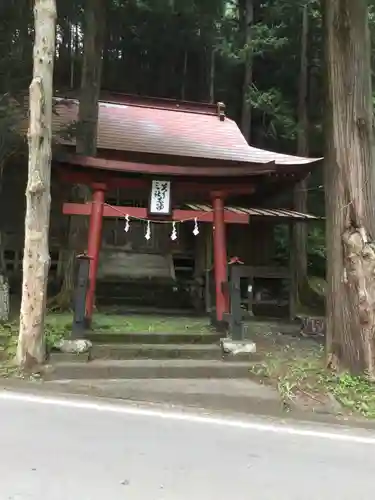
(265, 39)
(165, 48)
(355, 393)
(149, 41)
(297, 368)
(316, 249)
(53, 333)
(277, 115)
(281, 237)
(316, 241)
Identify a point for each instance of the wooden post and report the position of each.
(250, 295)
(94, 243)
(236, 323)
(208, 267)
(80, 293)
(220, 256)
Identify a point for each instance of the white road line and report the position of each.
(185, 417)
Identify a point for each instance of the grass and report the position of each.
(60, 325)
(136, 323)
(8, 345)
(297, 368)
(355, 393)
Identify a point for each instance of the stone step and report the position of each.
(153, 338)
(152, 351)
(232, 395)
(142, 351)
(62, 357)
(156, 351)
(147, 369)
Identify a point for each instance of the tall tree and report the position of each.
(349, 183)
(247, 18)
(30, 350)
(87, 130)
(300, 191)
(91, 77)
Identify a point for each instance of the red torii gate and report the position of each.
(218, 217)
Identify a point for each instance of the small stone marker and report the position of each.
(313, 327)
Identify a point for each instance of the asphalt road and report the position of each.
(82, 450)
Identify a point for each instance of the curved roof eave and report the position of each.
(244, 170)
(280, 159)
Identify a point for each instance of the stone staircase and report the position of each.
(151, 356)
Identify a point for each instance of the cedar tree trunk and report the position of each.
(4, 283)
(247, 14)
(86, 135)
(349, 183)
(300, 192)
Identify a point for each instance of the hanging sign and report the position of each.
(160, 198)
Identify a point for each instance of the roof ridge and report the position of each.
(154, 103)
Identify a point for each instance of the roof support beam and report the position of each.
(179, 186)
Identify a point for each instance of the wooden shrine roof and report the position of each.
(169, 128)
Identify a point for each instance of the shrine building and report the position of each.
(176, 195)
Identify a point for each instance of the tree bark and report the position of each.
(36, 260)
(247, 13)
(91, 77)
(86, 141)
(211, 74)
(4, 282)
(299, 231)
(184, 74)
(349, 183)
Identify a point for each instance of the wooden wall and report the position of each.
(253, 244)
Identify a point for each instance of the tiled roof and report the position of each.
(259, 212)
(169, 130)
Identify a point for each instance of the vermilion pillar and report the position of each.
(94, 243)
(220, 255)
